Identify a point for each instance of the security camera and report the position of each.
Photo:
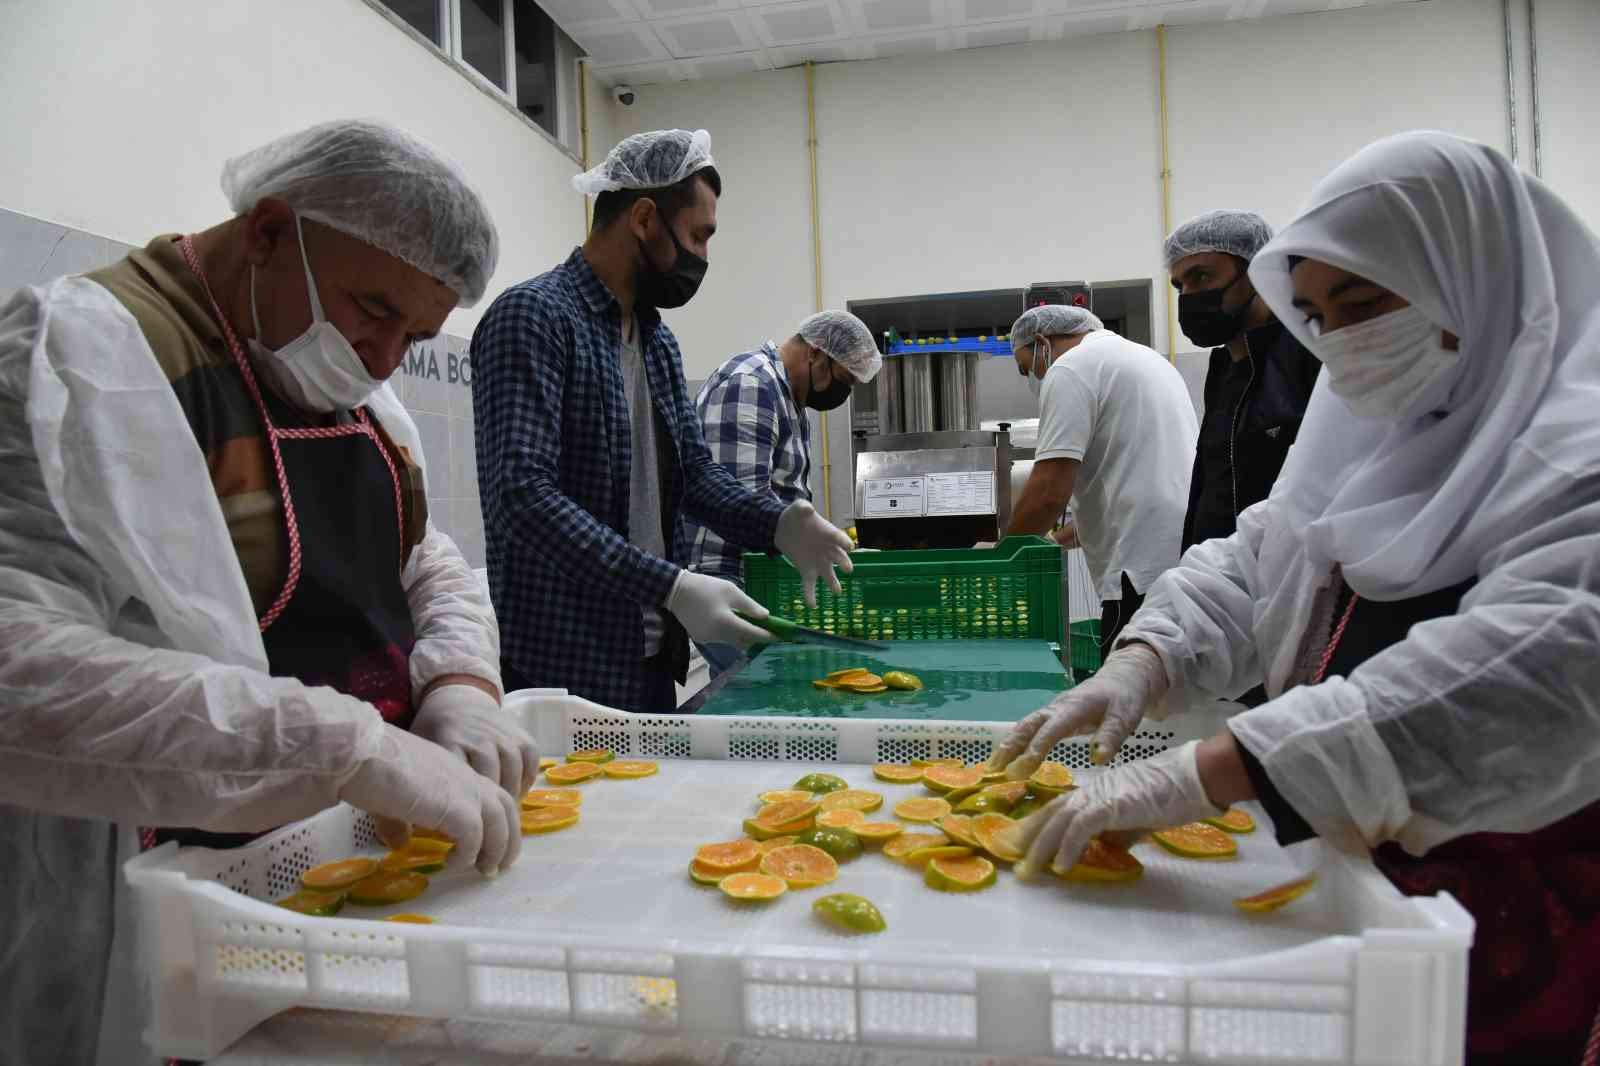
(624, 94)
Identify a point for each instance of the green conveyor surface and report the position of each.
(965, 680)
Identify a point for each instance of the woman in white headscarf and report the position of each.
(1420, 593)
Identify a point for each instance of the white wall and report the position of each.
(119, 115)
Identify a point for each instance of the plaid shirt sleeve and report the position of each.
(519, 360)
(740, 423)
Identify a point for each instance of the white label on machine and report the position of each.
(894, 497)
(967, 492)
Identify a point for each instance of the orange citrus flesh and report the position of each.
(753, 887)
(1197, 840)
(572, 773)
(341, 874)
(729, 857)
(800, 865)
(548, 819)
(1277, 896)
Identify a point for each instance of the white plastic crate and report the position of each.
(600, 926)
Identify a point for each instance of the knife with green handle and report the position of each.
(795, 633)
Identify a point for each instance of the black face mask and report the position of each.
(827, 399)
(1202, 319)
(674, 286)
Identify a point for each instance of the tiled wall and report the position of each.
(434, 384)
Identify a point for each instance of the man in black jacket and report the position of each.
(1260, 377)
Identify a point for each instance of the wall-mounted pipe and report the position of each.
(816, 269)
(583, 130)
(1533, 81)
(1511, 78)
(1166, 186)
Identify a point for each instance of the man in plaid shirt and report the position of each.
(752, 411)
(588, 449)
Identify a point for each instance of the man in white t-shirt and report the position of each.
(1116, 438)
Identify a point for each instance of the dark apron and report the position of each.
(341, 618)
(1534, 971)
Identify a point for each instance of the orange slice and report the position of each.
(959, 828)
(923, 764)
(937, 851)
(999, 836)
(341, 874)
(904, 844)
(420, 862)
(410, 919)
(386, 887)
(1103, 862)
(630, 769)
(1051, 776)
(552, 797)
(592, 755)
(852, 799)
(777, 842)
(786, 811)
(800, 865)
(946, 778)
(1234, 821)
(877, 832)
(1277, 896)
(898, 773)
(705, 875)
(546, 763)
(922, 810)
(785, 795)
(966, 873)
(759, 831)
(851, 672)
(548, 819)
(753, 887)
(861, 682)
(731, 857)
(1197, 840)
(843, 818)
(572, 773)
(824, 684)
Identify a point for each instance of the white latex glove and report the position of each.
(1154, 793)
(705, 606)
(471, 723)
(414, 781)
(814, 545)
(1111, 704)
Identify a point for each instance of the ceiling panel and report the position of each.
(642, 42)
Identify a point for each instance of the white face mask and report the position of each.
(318, 370)
(1041, 363)
(1392, 367)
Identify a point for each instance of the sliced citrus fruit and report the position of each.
(630, 769)
(850, 672)
(824, 684)
(316, 904)
(410, 919)
(867, 690)
(777, 842)
(572, 773)
(902, 680)
(1051, 775)
(965, 873)
(385, 887)
(959, 828)
(1010, 793)
(860, 681)
(730, 857)
(946, 778)
(592, 755)
(753, 887)
(1233, 820)
(999, 836)
(800, 865)
(923, 764)
(992, 775)
(1197, 840)
(937, 851)
(898, 773)
(419, 862)
(784, 795)
(922, 809)
(546, 763)
(761, 831)
(877, 832)
(820, 783)
(786, 811)
(552, 797)
(705, 875)
(840, 843)
(1029, 804)
(842, 818)
(852, 799)
(957, 795)
(548, 819)
(904, 844)
(341, 874)
(1103, 862)
(1277, 896)
(852, 913)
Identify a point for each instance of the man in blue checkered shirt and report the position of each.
(589, 450)
(753, 413)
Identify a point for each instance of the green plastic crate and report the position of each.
(1010, 591)
(1084, 653)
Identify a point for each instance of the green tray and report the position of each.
(963, 680)
(1009, 592)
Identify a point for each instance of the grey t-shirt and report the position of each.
(644, 477)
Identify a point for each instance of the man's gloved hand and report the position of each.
(705, 606)
(1154, 793)
(1111, 704)
(411, 781)
(814, 545)
(470, 722)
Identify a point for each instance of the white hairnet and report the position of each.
(847, 340)
(380, 185)
(1240, 233)
(1052, 320)
(650, 160)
